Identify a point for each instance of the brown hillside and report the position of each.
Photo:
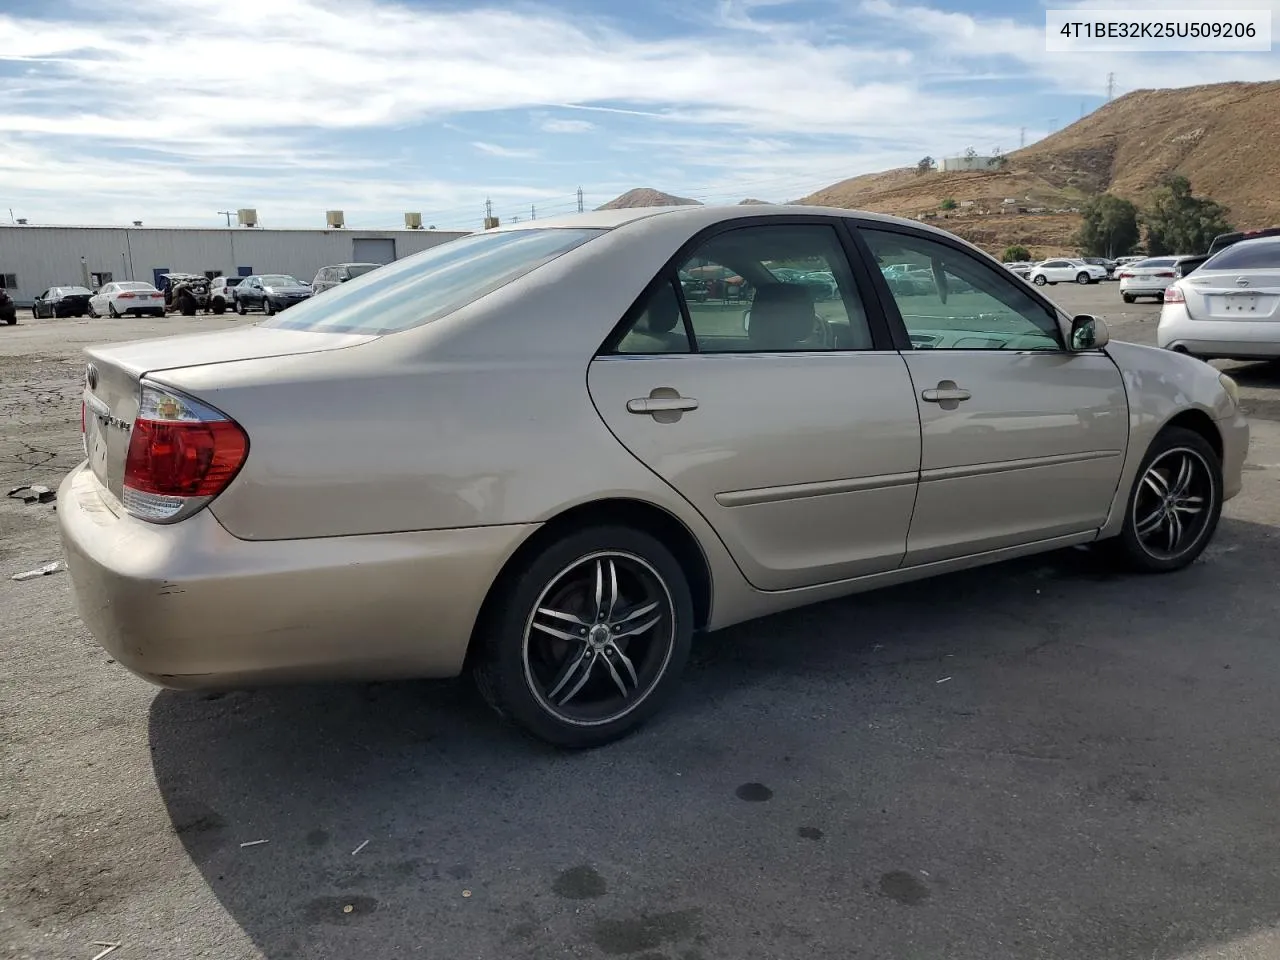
(1224, 138)
(645, 197)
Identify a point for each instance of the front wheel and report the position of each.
(1174, 506)
(241, 308)
(1040, 280)
(1083, 278)
(268, 308)
(587, 639)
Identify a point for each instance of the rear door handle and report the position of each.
(644, 405)
(946, 392)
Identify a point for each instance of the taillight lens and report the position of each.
(182, 454)
(1124, 273)
(1165, 273)
(1174, 294)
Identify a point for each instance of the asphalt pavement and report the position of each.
(1042, 759)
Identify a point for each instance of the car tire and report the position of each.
(1126, 297)
(1158, 488)
(1040, 280)
(241, 309)
(111, 311)
(34, 314)
(1083, 277)
(12, 321)
(268, 308)
(219, 308)
(531, 667)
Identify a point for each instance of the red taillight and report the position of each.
(181, 453)
(1174, 295)
(1165, 273)
(126, 296)
(1124, 273)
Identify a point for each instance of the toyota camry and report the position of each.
(528, 454)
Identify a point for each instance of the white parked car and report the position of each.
(1063, 270)
(124, 297)
(1020, 267)
(1146, 278)
(1229, 308)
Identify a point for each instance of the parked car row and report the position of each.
(192, 293)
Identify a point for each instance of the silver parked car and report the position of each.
(1229, 308)
(327, 278)
(528, 454)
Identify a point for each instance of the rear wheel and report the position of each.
(1174, 506)
(219, 307)
(1127, 297)
(1040, 280)
(186, 306)
(240, 307)
(111, 311)
(587, 640)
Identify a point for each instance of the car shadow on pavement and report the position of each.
(1040, 758)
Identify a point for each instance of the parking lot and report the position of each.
(1038, 759)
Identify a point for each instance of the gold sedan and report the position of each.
(550, 453)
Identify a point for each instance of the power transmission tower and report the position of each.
(579, 199)
(533, 212)
(1111, 85)
(488, 209)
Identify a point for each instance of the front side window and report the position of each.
(431, 284)
(956, 301)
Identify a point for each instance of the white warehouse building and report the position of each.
(34, 258)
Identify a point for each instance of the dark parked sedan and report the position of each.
(270, 292)
(8, 312)
(62, 302)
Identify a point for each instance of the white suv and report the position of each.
(1066, 271)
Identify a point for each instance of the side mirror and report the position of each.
(1088, 332)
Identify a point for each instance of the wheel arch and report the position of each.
(1197, 421)
(614, 511)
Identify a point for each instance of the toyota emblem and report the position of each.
(1242, 281)
(91, 376)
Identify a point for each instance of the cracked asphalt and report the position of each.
(1042, 759)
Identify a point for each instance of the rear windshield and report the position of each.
(1154, 262)
(360, 269)
(431, 284)
(134, 286)
(1246, 255)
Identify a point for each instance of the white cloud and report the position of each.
(880, 83)
(511, 153)
(566, 126)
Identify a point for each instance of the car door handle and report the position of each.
(943, 394)
(644, 405)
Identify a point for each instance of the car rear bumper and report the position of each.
(1218, 339)
(189, 606)
(1144, 288)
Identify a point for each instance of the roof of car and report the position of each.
(700, 215)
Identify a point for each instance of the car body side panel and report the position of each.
(806, 464)
(1160, 385)
(1034, 453)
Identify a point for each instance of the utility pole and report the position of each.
(1053, 124)
(579, 199)
(1081, 109)
(227, 214)
(1022, 138)
(1111, 85)
(533, 212)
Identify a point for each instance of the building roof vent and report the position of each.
(413, 221)
(334, 218)
(247, 216)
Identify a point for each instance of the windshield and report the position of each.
(280, 280)
(431, 284)
(1248, 255)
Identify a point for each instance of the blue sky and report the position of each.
(376, 107)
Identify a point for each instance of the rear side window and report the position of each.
(431, 284)
(1246, 256)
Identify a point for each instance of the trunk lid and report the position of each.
(1233, 295)
(114, 371)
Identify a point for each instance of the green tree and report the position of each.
(1110, 227)
(948, 204)
(1179, 222)
(925, 165)
(1016, 253)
